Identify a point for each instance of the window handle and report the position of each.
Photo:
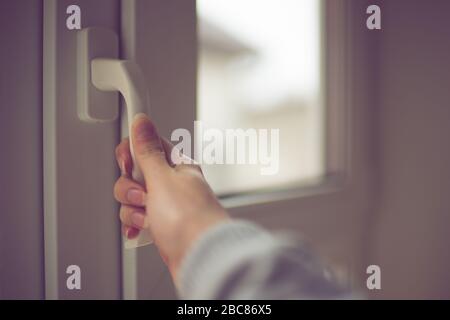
(97, 50)
(126, 77)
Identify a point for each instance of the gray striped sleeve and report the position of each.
(240, 260)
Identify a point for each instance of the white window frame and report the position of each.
(81, 225)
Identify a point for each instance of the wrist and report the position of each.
(190, 231)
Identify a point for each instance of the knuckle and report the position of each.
(117, 189)
(188, 166)
(150, 149)
(121, 148)
(123, 214)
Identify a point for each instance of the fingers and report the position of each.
(148, 149)
(129, 192)
(130, 232)
(132, 216)
(123, 157)
(122, 194)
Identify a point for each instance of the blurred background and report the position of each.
(255, 74)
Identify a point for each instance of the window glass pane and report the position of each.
(260, 68)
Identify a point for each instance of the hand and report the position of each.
(176, 204)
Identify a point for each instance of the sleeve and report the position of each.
(239, 260)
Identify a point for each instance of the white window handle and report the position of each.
(97, 50)
(123, 76)
(126, 77)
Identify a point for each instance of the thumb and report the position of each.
(147, 147)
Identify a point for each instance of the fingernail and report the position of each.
(138, 219)
(144, 130)
(136, 197)
(132, 233)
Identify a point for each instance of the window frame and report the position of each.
(336, 142)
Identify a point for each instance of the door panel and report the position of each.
(81, 224)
